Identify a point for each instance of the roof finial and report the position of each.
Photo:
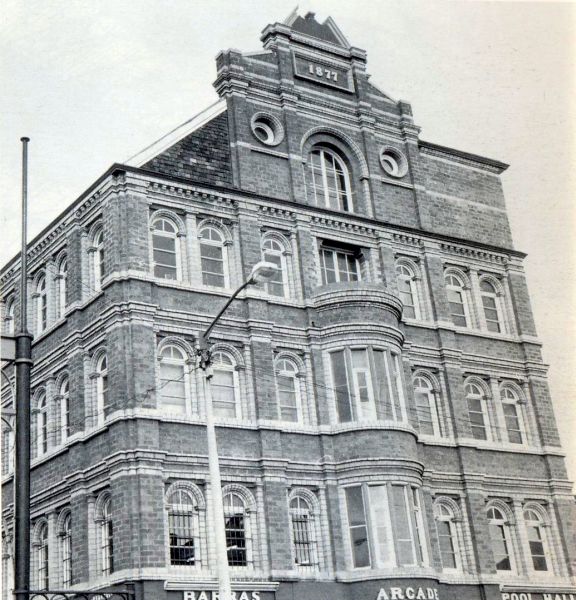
(291, 17)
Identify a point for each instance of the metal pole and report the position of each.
(23, 367)
(224, 586)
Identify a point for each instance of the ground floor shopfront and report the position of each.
(388, 589)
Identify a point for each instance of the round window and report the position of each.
(393, 162)
(267, 129)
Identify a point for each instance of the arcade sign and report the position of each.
(214, 595)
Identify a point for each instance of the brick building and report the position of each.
(385, 427)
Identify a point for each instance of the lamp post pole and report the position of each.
(23, 362)
(261, 272)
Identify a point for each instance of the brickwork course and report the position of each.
(409, 374)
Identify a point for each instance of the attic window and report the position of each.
(267, 129)
(393, 162)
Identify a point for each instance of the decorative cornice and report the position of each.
(350, 227)
(474, 253)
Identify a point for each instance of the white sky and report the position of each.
(91, 83)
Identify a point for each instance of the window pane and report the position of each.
(381, 517)
(223, 394)
(164, 242)
(424, 411)
(500, 547)
(341, 390)
(400, 519)
(381, 385)
(181, 531)
(447, 552)
(358, 529)
(476, 415)
(164, 257)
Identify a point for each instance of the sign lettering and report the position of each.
(214, 595)
(408, 593)
(538, 596)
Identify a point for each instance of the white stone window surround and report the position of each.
(42, 550)
(457, 499)
(447, 510)
(60, 287)
(223, 239)
(252, 520)
(97, 384)
(297, 373)
(178, 235)
(64, 549)
(511, 394)
(62, 408)
(280, 250)
(421, 289)
(389, 542)
(457, 284)
(504, 527)
(436, 399)
(199, 524)
(314, 517)
(392, 379)
(96, 256)
(99, 513)
(40, 302)
(500, 297)
(41, 421)
(188, 364)
(478, 389)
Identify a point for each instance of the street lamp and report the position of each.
(262, 271)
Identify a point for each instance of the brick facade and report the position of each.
(366, 423)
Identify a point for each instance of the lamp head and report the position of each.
(262, 271)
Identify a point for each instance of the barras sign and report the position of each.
(214, 595)
(408, 593)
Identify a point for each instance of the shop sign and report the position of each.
(538, 596)
(214, 595)
(408, 593)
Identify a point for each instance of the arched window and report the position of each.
(491, 305)
(426, 407)
(9, 321)
(213, 257)
(500, 539)
(98, 264)
(457, 300)
(304, 533)
(42, 557)
(274, 252)
(174, 381)
(106, 538)
(101, 387)
(537, 542)
(62, 288)
(330, 179)
(225, 393)
(288, 387)
(408, 291)
(65, 550)
(447, 527)
(183, 528)
(41, 304)
(41, 424)
(513, 418)
(165, 249)
(477, 411)
(64, 406)
(237, 524)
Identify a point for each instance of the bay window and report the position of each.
(367, 385)
(385, 525)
